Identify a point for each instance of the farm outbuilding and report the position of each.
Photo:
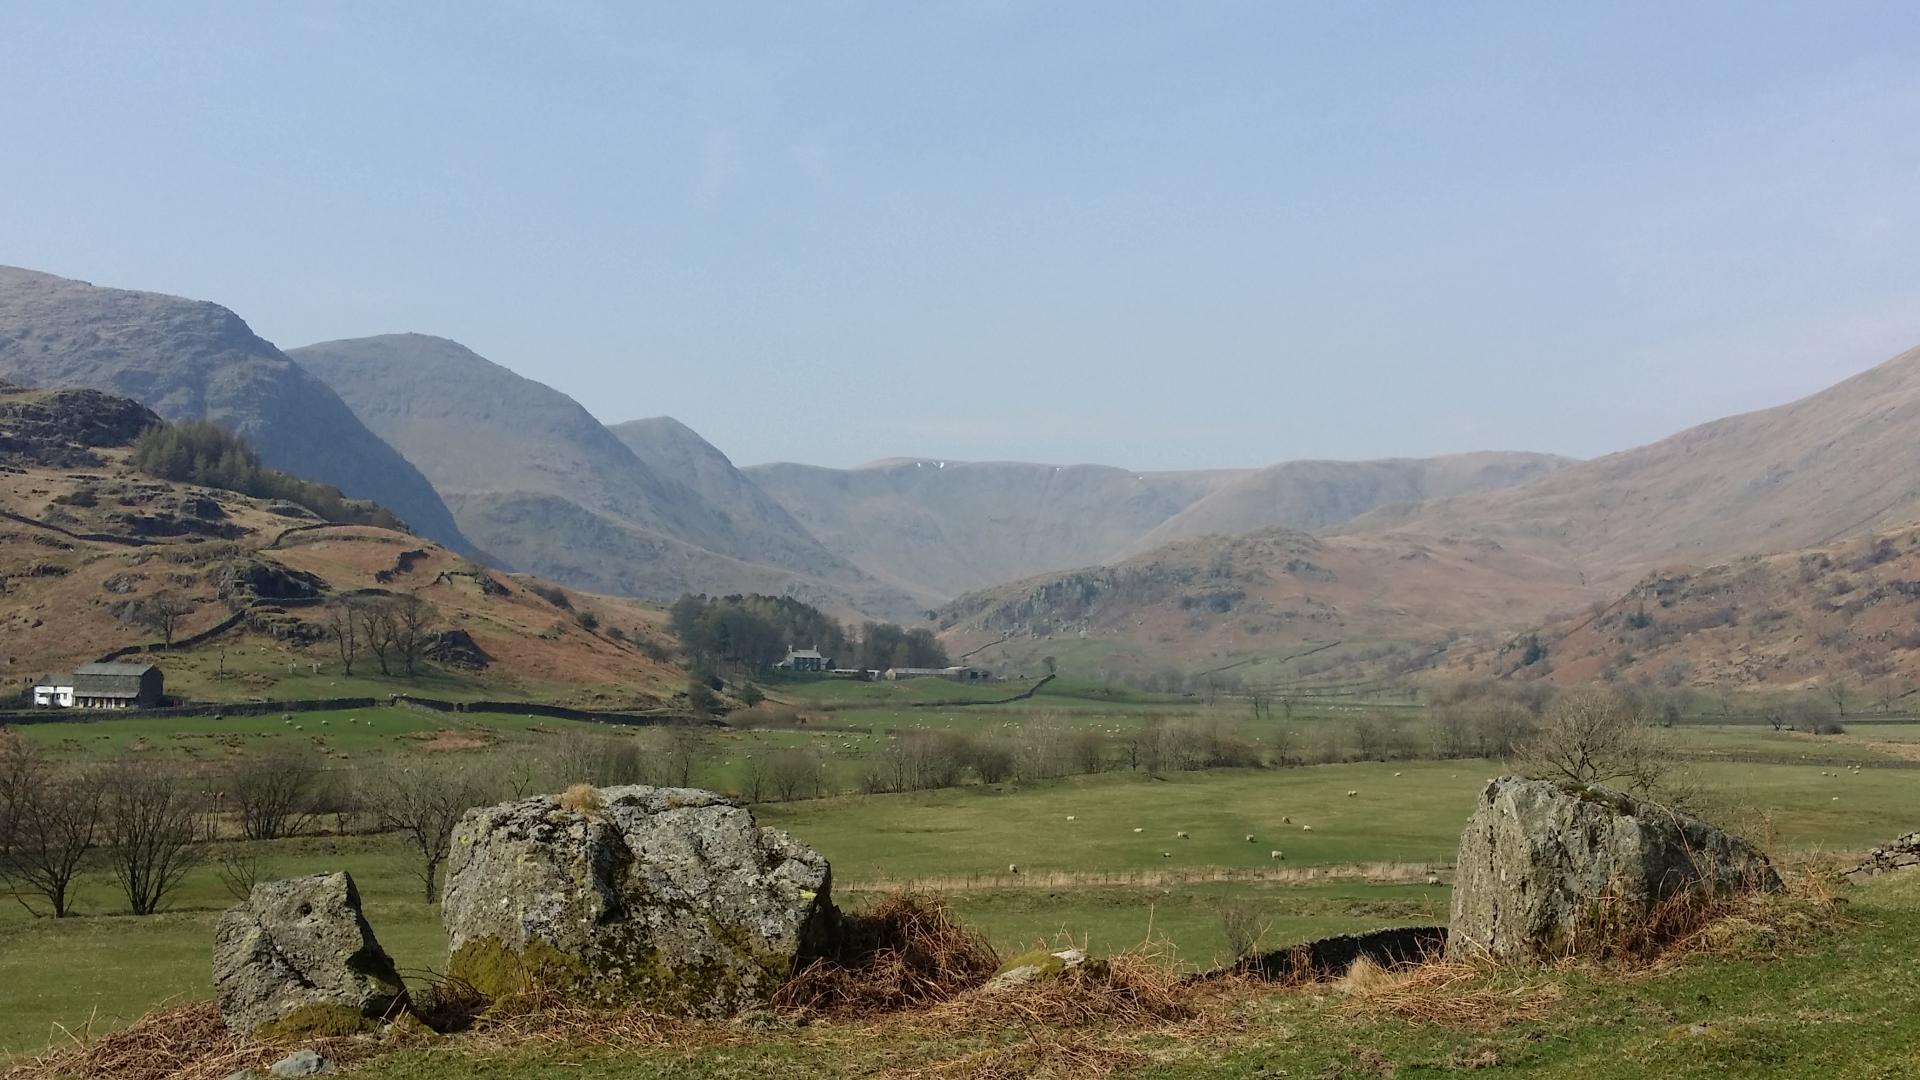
(102, 686)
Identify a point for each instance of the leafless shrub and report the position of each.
(239, 868)
(423, 802)
(1243, 924)
(155, 821)
(794, 772)
(273, 793)
(50, 822)
(1598, 737)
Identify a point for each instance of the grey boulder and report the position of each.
(1546, 868)
(671, 898)
(298, 958)
(302, 1063)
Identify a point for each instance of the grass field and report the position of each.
(1841, 1003)
(963, 840)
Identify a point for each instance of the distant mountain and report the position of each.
(192, 360)
(939, 528)
(1839, 463)
(1315, 494)
(942, 528)
(537, 481)
(1268, 592)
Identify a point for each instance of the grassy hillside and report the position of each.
(1839, 616)
(93, 546)
(1273, 592)
(1839, 463)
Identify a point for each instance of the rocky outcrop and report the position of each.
(298, 958)
(672, 898)
(1549, 869)
(1901, 854)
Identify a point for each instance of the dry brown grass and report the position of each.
(181, 1042)
(908, 950)
(580, 798)
(1461, 995)
(1135, 989)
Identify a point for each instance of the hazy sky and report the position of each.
(1160, 236)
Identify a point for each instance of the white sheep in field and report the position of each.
(1351, 794)
(1433, 879)
(1139, 830)
(1180, 835)
(1286, 821)
(1306, 828)
(1069, 817)
(1166, 854)
(1276, 855)
(1249, 838)
(1013, 868)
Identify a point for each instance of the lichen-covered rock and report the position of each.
(671, 898)
(1901, 854)
(298, 958)
(1546, 869)
(1040, 965)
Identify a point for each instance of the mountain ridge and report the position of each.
(196, 360)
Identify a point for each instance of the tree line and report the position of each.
(201, 452)
(751, 633)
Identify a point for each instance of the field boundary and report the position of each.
(1375, 873)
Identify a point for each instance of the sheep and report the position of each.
(1306, 828)
(1433, 879)
(1286, 821)
(1069, 817)
(1013, 868)
(1396, 774)
(1351, 794)
(1249, 838)
(1276, 855)
(1180, 835)
(1139, 830)
(1166, 854)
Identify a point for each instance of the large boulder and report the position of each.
(1548, 869)
(672, 898)
(298, 958)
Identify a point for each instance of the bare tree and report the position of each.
(794, 772)
(49, 825)
(343, 627)
(1597, 737)
(1089, 750)
(376, 630)
(163, 612)
(155, 820)
(275, 793)
(1839, 690)
(679, 749)
(423, 802)
(412, 620)
(585, 757)
(240, 869)
(756, 776)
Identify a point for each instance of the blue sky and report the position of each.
(1153, 235)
